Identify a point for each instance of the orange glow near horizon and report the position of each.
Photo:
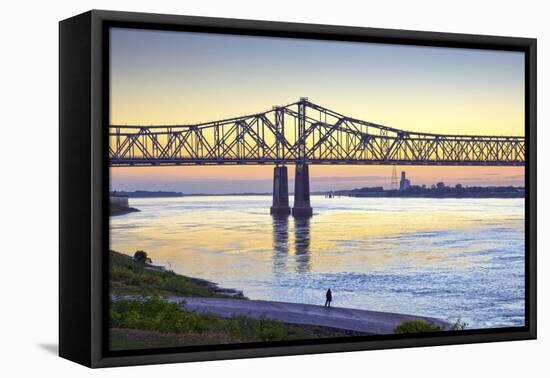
(185, 78)
(323, 177)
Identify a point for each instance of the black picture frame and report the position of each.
(84, 177)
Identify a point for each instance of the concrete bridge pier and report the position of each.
(302, 206)
(280, 192)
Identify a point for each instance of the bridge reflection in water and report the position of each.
(302, 238)
(282, 244)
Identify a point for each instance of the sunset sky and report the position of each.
(162, 77)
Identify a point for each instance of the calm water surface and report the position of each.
(447, 258)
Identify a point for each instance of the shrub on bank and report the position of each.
(161, 316)
(141, 257)
(416, 326)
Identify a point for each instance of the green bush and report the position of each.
(141, 257)
(270, 330)
(416, 326)
(154, 315)
(161, 316)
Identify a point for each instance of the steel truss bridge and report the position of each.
(303, 133)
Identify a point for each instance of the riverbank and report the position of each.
(355, 320)
(115, 210)
(154, 307)
(145, 314)
(128, 277)
(348, 319)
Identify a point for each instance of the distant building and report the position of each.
(404, 183)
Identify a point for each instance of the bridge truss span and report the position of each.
(303, 132)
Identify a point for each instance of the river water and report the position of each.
(447, 258)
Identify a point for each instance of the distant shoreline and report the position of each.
(439, 190)
(370, 195)
(440, 196)
(385, 194)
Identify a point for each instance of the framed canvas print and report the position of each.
(234, 188)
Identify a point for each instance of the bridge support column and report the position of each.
(302, 206)
(280, 192)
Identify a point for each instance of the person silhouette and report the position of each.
(329, 298)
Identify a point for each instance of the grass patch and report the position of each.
(171, 323)
(416, 326)
(128, 339)
(128, 277)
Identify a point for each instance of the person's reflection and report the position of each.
(280, 243)
(301, 243)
